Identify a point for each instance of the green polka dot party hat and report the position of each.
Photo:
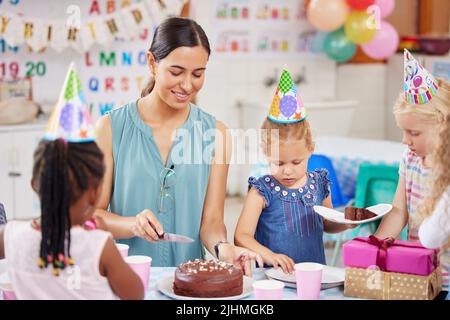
(287, 106)
(71, 119)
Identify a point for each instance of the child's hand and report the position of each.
(351, 226)
(280, 260)
(100, 223)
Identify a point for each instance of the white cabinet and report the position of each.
(17, 145)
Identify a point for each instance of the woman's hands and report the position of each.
(240, 257)
(147, 226)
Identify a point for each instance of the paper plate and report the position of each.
(336, 216)
(331, 277)
(165, 286)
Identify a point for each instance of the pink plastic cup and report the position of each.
(268, 289)
(9, 295)
(140, 265)
(308, 276)
(123, 249)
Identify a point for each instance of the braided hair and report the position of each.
(62, 172)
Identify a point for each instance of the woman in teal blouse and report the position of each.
(167, 160)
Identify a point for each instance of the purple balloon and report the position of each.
(385, 43)
(288, 105)
(386, 7)
(66, 117)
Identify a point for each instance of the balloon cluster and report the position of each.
(344, 24)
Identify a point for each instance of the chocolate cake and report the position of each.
(353, 213)
(208, 279)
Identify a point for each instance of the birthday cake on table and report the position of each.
(357, 214)
(208, 279)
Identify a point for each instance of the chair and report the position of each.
(339, 200)
(318, 161)
(376, 183)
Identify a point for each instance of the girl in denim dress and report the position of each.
(278, 220)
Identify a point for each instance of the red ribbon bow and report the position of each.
(382, 246)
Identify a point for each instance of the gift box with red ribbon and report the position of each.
(389, 255)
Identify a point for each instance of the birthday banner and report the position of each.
(123, 24)
(111, 62)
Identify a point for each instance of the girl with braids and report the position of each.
(434, 231)
(55, 257)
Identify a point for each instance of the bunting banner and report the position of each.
(126, 24)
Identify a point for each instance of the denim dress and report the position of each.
(288, 224)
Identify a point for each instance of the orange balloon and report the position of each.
(327, 15)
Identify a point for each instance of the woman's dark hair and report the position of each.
(62, 172)
(173, 33)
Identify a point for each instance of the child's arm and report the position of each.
(125, 283)
(394, 222)
(434, 231)
(330, 226)
(245, 231)
(2, 241)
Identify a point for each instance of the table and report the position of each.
(347, 154)
(158, 273)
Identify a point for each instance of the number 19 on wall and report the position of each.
(11, 70)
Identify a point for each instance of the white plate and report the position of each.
(166, 287)
(339, 217)
(331, 277)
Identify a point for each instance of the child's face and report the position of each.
(83, 209)
(419, 133)
(291, 164)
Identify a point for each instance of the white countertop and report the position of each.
(37, 125)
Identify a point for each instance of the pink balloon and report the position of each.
(386, 7)
(384, 44)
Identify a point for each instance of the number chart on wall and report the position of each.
(107, 40)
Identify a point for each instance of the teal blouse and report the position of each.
(137, 184)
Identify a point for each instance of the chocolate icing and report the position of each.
(208, 279)
(353, 213)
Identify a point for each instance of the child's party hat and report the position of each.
(420, 86)
(71, 119)
(287, 106)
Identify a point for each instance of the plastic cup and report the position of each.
(9, 295)
(140, 265)
(123, 249)
(308, 276)
(268, 289)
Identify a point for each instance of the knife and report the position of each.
(171, 237)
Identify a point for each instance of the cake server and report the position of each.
(171, 237)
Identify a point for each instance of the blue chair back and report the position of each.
(319, 161)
